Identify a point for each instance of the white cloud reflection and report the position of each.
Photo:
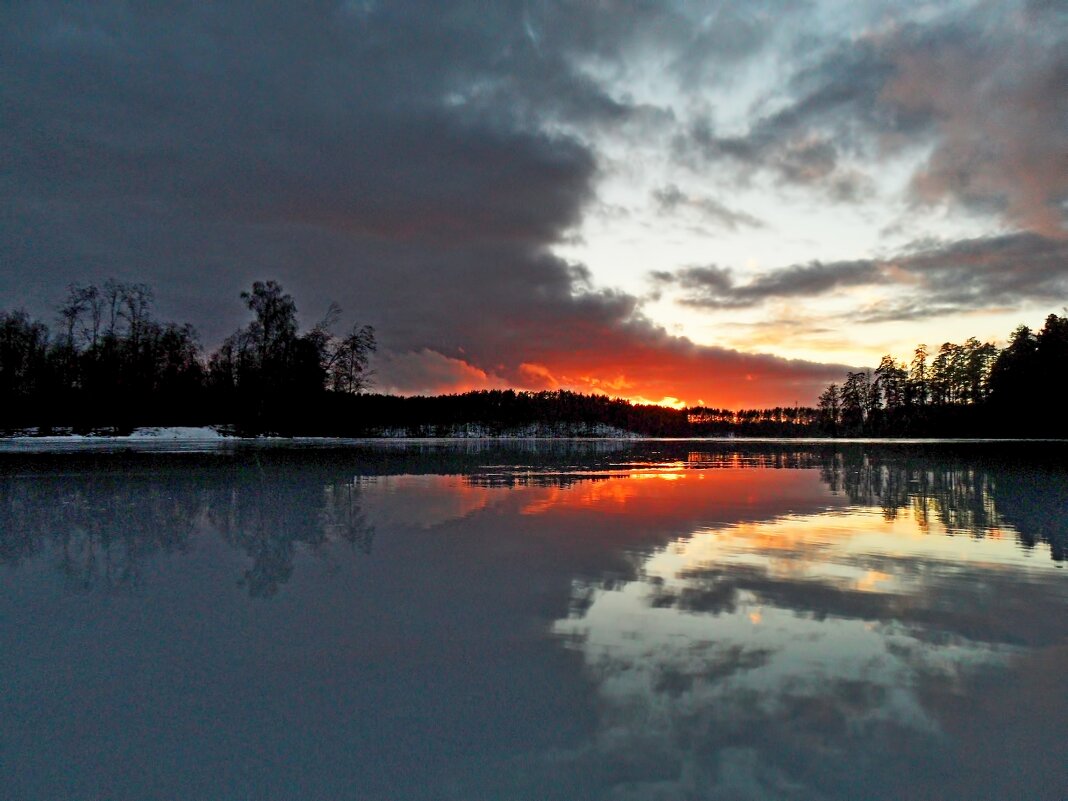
(750, 660)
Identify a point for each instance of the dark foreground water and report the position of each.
(556, 621)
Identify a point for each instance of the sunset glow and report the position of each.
(675, 203)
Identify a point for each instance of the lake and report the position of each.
(535, 620)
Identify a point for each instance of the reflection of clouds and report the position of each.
(769, 660)
(609, 492)
(423, 501)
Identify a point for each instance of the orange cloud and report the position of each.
(537, 376)
(427, 372)
(671, 372)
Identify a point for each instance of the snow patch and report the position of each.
(184, 433)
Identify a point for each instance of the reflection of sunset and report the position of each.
(833, 546)
(613, 492)
(822, 625)
(675, 494)
(872, 581)
(779, 514)
(660, 495)
(429, 500)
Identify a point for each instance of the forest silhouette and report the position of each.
(109, 366)
(968, 389)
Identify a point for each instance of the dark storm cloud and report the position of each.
(931, 279)
(201, 146)
(412, 161)
(335, 118)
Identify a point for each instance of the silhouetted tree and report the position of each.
(348, 360)
(273, 374)
(830, 410)
(919, 391)
(1014, 377)
(23, 356)
(857, 398)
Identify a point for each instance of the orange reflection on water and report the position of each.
(611, 492)
(789, 516)
(679, 495)
(425, 500)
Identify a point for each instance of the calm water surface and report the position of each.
(595, 620)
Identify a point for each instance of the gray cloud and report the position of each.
(996, 95)
(932, 278)
(982, 87)
(832, 110)
(380, 156)
(670, 199)
(417, 161)
(978, 273)
(713, 287)
(411, 161)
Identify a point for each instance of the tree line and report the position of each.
(109, 363)
(968, 389)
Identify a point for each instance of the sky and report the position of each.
(717, 203)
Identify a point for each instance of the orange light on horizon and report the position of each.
(671, 373)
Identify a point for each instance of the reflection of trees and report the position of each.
(752, 456)
(513, 480)
(99, 530)
(963, 495)
(672, 456)
(269, 514)
(342, 518)
(102, 530)
(1036, 503)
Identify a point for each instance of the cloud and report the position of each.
(978, 273)
(981, 88)
(714, 287)
(995, 95)
(427, 372)
(419, 162)
(537, 376)
(928, 280)
(670, 199)
(828, 110)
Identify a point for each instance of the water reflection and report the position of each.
(773, 660)
(978, 498)
(657, 621)
(819, 655)
(101, 530)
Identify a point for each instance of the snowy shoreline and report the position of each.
(225, 434)
(192, 438)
